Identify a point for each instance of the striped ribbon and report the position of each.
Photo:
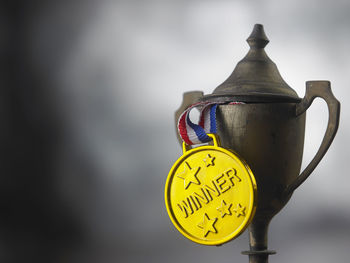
(192, 133)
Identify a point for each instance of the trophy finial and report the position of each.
(258, 38)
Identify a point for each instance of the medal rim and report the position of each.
(253, 200)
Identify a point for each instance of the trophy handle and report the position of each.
(188, 99)
(323, 90)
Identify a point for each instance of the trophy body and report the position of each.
(271, 139)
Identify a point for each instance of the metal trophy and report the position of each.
(267, 131)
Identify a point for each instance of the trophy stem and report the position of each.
(258, 252)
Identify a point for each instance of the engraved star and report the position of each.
(209, 160)
(189, 175)
(239, 210)
(224, 209)
(207, 225)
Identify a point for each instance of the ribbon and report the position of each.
(192, 133)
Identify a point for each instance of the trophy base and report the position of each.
(258, 252)
(258, 256)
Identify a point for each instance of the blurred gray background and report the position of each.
(91, 88)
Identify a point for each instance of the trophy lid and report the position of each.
(256, 77)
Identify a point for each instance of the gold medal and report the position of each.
(210, 194)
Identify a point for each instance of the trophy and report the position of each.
(267, 130)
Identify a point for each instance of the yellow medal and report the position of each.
(210, 194)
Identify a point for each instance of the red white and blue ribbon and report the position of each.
(192, 133)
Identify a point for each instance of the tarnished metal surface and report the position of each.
(270, 138)
(268, 132)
